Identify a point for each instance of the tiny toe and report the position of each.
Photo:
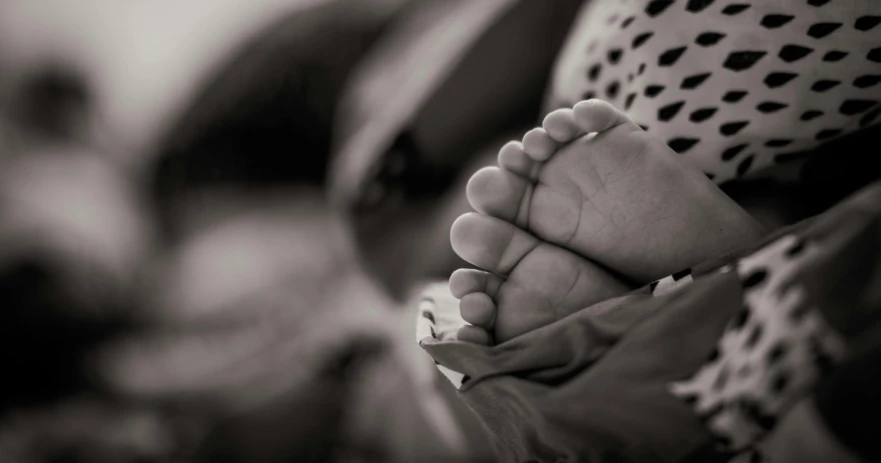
(490, 243)
(474, 335)
(560, 125)
(513, 157)
(599, 116)
(499, 193)
(478, 309)
(539, 145)
(468, 280)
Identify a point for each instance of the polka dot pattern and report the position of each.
(771, 353)
(736, 87)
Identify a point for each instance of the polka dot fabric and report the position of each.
(741, 88)
(771, 353)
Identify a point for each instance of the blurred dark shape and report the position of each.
(57, 305)
(841, 167)
(829, 174)
(306, 427)
(54, 314)
(264, 120)
(53, 99)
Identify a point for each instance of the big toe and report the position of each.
(499, 193)
(490, 243)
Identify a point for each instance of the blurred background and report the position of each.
(176, 282)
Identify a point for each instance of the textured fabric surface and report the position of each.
(736, 87)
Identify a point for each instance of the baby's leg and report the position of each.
(548, 215)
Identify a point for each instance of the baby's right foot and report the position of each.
(617, 197)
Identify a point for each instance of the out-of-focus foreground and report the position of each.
(173, 285)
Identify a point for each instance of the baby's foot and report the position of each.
(617, 197)
(543, 282)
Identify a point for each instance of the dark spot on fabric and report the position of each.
(627, 22)
(735, 8)
(733, 151)
(773, 21)
(811, 114)
(768, 107)
(744, 165)
(682, 144)
(640, 39)
(755, 278)
(696, 6)
(743, 60)
(734, 96)
(666, 113)
(702, 114)
(852, 107)
(692, 82)
(866, 81)
(656, 7)
(755, 335)
(628, 102)
(820, 30)
(652, 91)
(822, 360)
(779, 79)
(776, 353)
(796, 249)
(612, 89)
(834, 55)
(669, 57)
(707, 39)
(824, 84)
(865, 23)
(594, 72)
(793, 53)
(732, 128)
(741, 318)
(614, 55)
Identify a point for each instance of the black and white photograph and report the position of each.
(440, 231)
